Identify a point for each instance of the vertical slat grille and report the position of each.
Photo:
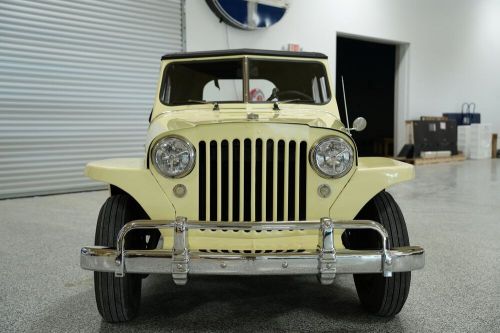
(302, 180)
(236, 180)
(281, 180)
(269, 184)
(245, 180)
(225, 180)
(258, 180)
(202, 174)
(212, 180)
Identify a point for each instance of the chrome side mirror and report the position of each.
(359, 124)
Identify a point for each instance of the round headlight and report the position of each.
(173, 157)
(331, 157)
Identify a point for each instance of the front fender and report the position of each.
(132, 176)
(373, 175)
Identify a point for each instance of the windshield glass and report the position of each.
(221, 81)
(203, 81)
(288, 81)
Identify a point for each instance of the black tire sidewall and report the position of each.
(118, 299)
(380, 295)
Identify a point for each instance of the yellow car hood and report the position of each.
(179, 119)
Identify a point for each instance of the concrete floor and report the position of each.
(453, 210)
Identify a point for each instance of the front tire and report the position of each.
(380, 295)
(118, 299)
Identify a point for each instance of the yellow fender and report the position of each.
(132, 176)
(373, 175)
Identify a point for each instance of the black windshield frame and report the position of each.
(245, 65)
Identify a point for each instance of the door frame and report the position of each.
(401, 83)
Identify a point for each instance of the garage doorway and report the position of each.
(369, 69)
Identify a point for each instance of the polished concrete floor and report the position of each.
(453, 210)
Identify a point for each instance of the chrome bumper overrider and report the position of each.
(180, 261)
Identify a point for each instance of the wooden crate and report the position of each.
(424, 161)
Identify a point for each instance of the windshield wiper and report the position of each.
(215, 104)
(198, 101)
(276, 103)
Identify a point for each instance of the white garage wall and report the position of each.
(454, 44)
(77, 83)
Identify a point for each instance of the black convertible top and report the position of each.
(231, 52)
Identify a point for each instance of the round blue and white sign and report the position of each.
(249, 14)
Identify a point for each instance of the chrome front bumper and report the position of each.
(180, 261)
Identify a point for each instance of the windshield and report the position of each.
(289, 81)
(203, 81)
(223, 81)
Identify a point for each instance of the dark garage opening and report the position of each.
(368, 69)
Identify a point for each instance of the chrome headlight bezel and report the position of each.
(192, 156)
(314, 149)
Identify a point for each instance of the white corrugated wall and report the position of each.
(77, 82)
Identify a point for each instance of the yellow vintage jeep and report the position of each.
(248, 170)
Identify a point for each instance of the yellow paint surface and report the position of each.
(294, 122)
